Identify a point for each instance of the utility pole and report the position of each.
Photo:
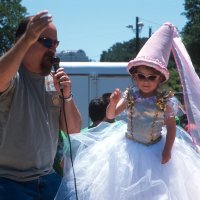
(136, 30)
(150, 32)
(137, 39)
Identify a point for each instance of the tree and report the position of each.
(191, 31)
(121, 52)
(174, 82)
(11, 12)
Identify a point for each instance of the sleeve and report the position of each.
(10, 87)
(172, 107)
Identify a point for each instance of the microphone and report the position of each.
(55, 64)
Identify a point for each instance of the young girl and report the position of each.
(145, 109)
(143, 159)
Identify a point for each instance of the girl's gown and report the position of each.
(122, 161)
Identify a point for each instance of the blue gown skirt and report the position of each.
(109, 166)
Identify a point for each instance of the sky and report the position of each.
(95, 26)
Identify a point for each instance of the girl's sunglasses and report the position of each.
(48, 43)
(142, 77)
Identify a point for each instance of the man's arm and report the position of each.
(10, 61)
(70, 120)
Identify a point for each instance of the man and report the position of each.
(31, 112)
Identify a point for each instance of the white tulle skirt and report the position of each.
(108, 166)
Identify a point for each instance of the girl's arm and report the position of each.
(171, 134)
(116, 105)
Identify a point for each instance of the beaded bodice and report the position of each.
(145, 116)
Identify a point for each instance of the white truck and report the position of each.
(92, 79)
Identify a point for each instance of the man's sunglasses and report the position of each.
(48, 43)
(142, 77)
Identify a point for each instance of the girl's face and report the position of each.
(147, 80)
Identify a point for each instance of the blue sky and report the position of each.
(94, 26)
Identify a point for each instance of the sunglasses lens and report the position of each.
(152, 78)
(143, 77)
(48, 43)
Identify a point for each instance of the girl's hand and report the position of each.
(115, 96)
(166, 156)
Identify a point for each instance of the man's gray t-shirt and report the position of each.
(29, 126)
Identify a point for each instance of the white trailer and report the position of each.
(92, 79)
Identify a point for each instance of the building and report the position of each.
(92, 79)
(72, 56)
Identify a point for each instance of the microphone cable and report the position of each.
(70, 146)
(55, 62)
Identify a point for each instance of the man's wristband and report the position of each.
(67, 99)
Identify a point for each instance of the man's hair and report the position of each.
(22, 27)
(97, 109)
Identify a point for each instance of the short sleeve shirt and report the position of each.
(29, 127)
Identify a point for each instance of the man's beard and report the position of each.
(46, 63)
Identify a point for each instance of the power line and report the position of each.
(151, 22)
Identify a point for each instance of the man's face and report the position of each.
(48, 43)
(38, 59)
(46, 63)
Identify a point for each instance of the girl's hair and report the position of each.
(133, 70)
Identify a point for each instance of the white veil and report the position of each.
(191, 86)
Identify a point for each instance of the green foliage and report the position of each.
(174, 83)
(121, 52)
(191, 31)
(11, 12)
